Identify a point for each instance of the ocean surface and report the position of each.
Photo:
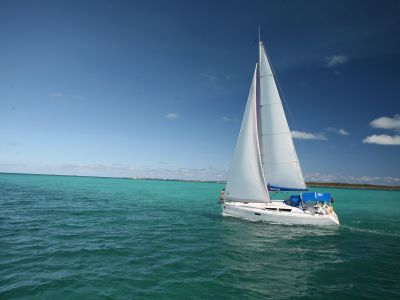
(100, 238)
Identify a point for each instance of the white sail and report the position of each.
(245, 179)
(279, 159)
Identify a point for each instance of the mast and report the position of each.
(259, 96)
(258, 109)
(258, 134)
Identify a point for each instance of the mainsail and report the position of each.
(279, 159)
(245, 179)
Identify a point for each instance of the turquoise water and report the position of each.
(99, 238)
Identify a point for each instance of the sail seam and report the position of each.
(272, 103)
(267, 75)
(278, 132)
(280, 162)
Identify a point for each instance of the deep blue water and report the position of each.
(100, 238)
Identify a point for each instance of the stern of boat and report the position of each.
(333, 216)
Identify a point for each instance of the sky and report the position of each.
(158, 88)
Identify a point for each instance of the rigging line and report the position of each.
(257, 132)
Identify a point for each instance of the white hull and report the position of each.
(277, 212)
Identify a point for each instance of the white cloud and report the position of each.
(343, 132)
(335, 60)
(209, 76)
(382, 139)
(387, 123)
(307, 136)
(226, 119)
(172, 116)
(340, 131)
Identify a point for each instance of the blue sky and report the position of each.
(158, 88)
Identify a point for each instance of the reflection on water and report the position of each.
(334, 262)
(274, 258)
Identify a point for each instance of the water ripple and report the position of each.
(93, 238)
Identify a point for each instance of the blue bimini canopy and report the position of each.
(294, 200)
(325, 197)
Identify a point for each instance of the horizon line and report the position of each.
(330, 184)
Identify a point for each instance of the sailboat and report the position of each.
(265, 161)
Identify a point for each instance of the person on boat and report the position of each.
(302, 205)
(222, 196)
(320, 210)
(331, 205)
(325, 208)
(331, 202)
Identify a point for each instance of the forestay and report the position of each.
(245, 179)
(279, 159)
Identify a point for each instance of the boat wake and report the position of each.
(371, 231)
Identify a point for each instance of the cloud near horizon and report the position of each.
(115, 170)
(340, 178)
(301, 135)
(205, 174)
